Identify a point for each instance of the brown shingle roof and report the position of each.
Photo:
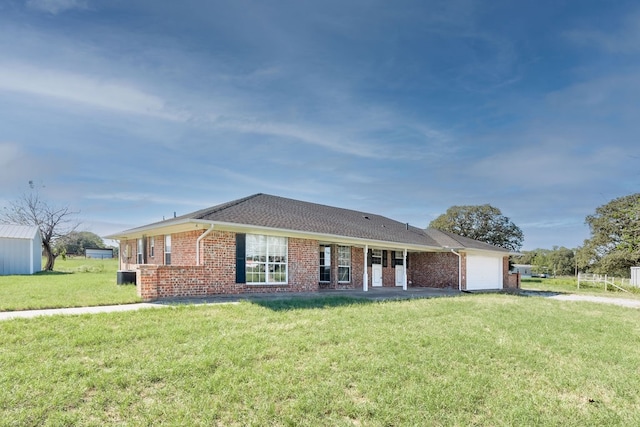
(451, 240)
(263, 210)
(288, 214)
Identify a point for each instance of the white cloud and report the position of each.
(56, 6)
(553, 163)
(625, 40)
(83, 89)
(17, 168)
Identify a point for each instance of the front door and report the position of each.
(399, 275)
(376, 273)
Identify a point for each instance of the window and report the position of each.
(325, 263)
(140, 257)
(152, 245)
(167, 249)
(266, 259)
(398, 258)
(344, 263)
(376, 256)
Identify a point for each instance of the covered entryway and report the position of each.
(484, 272)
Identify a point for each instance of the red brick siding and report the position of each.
(505, 272)
(303, 264)
(433, 270)
(513, 281)
(334, 283)
(183, 248)
(217, 272)
(357, 267)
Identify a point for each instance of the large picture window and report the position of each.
(325, 263)
(344, 263)
(266, 259)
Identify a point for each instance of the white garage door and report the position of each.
(484, 272)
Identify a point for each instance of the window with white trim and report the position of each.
(140, 256)
(344, 263)
(152, 246)
(167, 249)
(266, 259)
(325, 263)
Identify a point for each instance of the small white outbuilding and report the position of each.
(635, 276)
(20, 249)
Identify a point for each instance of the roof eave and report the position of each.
(190, 224)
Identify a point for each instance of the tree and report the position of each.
(76, 242)
(484, 223)
(54, 222)
(614, 245)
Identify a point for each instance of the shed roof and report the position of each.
(13, 231)
(279, 213)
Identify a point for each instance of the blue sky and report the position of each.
(130, 110)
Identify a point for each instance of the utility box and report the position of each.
(126, 277)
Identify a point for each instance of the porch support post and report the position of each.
(365, 275)
(404, 270)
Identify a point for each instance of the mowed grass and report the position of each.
(75, 282)
(469, 360)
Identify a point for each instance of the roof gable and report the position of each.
(13, 231)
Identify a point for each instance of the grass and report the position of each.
(569, 285)
(75, 282)
(469, 360)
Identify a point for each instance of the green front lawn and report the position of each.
(74, 282)
(470, 360)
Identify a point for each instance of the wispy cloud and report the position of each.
(56, 6)
(625, 39)
(83, 89)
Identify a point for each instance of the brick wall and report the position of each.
(357, 267)
(217, 272)
(513, 281)
(433, 270)
(356, 277)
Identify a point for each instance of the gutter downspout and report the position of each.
(202, 236)
(459, 269)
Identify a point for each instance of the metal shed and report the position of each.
(635, 276)
(20, 249)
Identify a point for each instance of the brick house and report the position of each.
(264, 243)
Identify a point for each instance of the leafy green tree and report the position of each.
(484, 223)
(614, 245)
(562, 260)
(76, 242)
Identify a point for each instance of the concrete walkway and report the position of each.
(7, 315)
(379, 294)
(373, 294)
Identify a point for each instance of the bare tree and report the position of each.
(54, 222)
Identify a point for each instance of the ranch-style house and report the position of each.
(265, 243)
